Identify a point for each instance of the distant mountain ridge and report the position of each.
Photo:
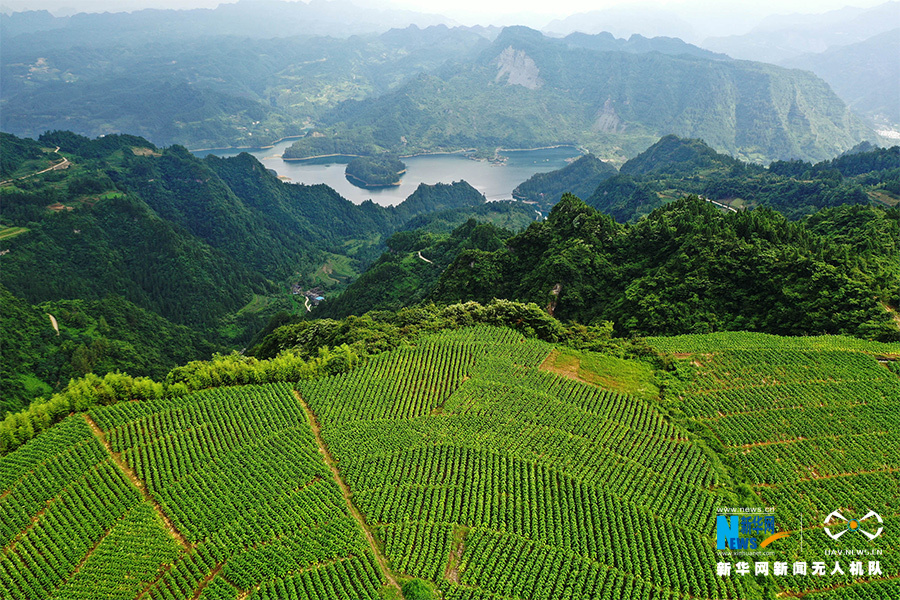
(247, 18)
(783, 37)
(865, 74)
(554, 92)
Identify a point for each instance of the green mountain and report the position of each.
(672, 155)
(211, 245)
(674, 167)
(215, 91)
(688, 267)
(94, 336)
(613, 103)
(413, 90)
(581, 178)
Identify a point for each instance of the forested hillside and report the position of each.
(688, 267)
(581, 178)
(674, 167)
(213, 245)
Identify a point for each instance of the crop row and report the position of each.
(819, 457)
(541, 505)
(417, 549)
(185, 574)
(790, 424)
(814, 500)
(642, 441)
(44, 555)
(411, 382)
(238, 472)
(876, 590)
(401, 384)
(48, 447)
(125, 561)
(791, 395)
(736, 369)
(352, 579)
(191, 433)
(281, 555)
(501, 388)
(516, 567)
(484, 340)
(457, 464)
(31, 493)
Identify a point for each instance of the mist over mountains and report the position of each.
(246, 74)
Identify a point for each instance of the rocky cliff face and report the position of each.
(519, 68)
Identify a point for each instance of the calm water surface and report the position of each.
(495, 181)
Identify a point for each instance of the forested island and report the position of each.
(375, 172)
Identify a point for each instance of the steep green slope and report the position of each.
(864, 74)
(94, 336)
(409, 270)
(19, 157)
(212, 244)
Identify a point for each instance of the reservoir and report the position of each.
(495, 180)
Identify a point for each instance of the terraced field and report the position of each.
(813, 426)
(459, 461)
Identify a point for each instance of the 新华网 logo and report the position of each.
(835, 520)
(738, 532)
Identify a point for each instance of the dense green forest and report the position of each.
(689, 268)
(411, 267)
(94, 336)
(686, 267)
(212, 245)
(367, 172)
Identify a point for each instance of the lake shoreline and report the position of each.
(232, 148)
(495, 181)
(438, 153)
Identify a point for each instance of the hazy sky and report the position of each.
(705, 15)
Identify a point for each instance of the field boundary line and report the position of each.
(207, 580)
(345, 491)
(137, 483)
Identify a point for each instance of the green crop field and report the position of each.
(469, 460)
